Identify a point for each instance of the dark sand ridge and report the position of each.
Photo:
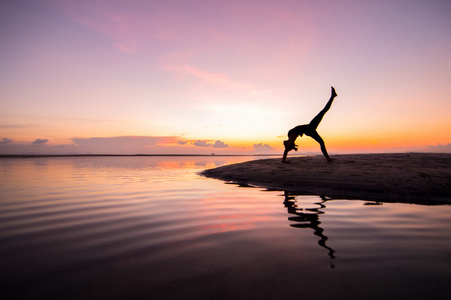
(406, 177)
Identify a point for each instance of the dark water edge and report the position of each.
(151, 228)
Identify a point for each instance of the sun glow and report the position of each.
(218, 75)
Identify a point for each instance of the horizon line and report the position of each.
(188, 154)
(75, 155)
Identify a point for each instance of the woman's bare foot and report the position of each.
(334, 94)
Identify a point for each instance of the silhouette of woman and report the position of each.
(309, 130)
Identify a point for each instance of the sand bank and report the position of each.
(406, 177)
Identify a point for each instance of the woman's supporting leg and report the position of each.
(317, 138)
(316, 120)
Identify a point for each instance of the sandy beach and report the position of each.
(403, 177)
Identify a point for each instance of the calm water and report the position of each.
(150, 227)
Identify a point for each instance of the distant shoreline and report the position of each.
(398, 177)
(122, 155)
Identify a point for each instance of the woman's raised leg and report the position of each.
(316, 120)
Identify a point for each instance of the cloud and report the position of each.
(219, 144)
(126, 48)
(205, 144)
(262, 147)
(38, 146)
(440, 148)
(200, 143)
(218, 79)
(130, 145)
(5, 141)
(40, 141)
(121, 144)
(179, 64)
(141, 145)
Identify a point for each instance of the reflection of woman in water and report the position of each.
(309, 130)
(308, 218)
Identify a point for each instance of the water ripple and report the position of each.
(140, 226)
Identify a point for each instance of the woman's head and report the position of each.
(290, 147)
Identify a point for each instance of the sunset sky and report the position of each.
(224, 77)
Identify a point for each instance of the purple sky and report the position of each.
(223, 76)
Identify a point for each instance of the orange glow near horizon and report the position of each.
(90, 76)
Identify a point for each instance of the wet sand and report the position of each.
(400, 177)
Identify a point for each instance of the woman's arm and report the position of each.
(289, 145)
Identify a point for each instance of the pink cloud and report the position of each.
(179, 64)
(218, 79)
(133, 24)
(128, 24)
(131, 48)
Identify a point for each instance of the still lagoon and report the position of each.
(150, 227)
